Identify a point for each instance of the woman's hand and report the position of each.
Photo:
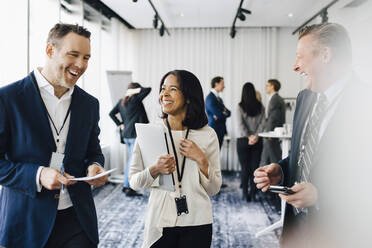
(165, 164)
(252, 139)
(191, 150)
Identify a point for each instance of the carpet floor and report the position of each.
(121, 218)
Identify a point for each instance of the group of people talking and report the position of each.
(49, 135)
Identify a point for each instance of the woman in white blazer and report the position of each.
(182, 218)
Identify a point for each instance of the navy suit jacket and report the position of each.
(26, 142)
(304, 103)
(216, 108)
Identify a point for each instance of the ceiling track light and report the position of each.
(155, 22)
(324, 16)
(323, 13)
(161, 30)
(157, 18)
(240, 13)
(241, 16)
(233, 32)
(246, 11)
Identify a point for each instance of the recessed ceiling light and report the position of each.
(290, 15)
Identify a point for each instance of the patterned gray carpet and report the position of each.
(121, 218)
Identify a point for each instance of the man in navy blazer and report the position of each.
(216, 111)
(47, 122)
(328, 167)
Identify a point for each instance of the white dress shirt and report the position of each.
(161, 209)
(267, 104)
(333, 96)
(57, 109)
(215, 92)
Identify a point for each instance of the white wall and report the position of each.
(358, 22)
(292, 83)
(13, 41)
(255, 55)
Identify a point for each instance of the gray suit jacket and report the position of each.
(276, 113)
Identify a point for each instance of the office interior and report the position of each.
(199, 36)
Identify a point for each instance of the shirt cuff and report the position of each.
(38, 184)
(149, 178)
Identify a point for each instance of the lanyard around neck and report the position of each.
(50, 118)
(179, 173)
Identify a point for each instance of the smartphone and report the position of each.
(281, 190)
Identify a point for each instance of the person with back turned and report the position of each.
(131, 111)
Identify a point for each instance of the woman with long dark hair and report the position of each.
(251, 121)
(132, 111)
(182, 218)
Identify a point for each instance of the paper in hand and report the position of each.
(93, 177)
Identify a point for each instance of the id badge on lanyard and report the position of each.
(56, 161)
(181, 203)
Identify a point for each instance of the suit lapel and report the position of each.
(218, 101)
(76, 120)
(35, 105)
(305, 108)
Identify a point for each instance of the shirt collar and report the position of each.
(215, 92)
(334, 91)
(43, 83)
(270, 96)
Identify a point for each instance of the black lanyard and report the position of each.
(50, 118)
(179, 174)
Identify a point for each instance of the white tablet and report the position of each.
(151, 140)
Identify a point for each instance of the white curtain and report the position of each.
(207, 52)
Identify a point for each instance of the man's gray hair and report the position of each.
(331, 35)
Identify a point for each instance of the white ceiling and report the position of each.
(219, 13)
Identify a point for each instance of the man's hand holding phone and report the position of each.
(305, 195)
(267, 175)
(281, 190)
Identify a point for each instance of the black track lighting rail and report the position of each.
(107, 12)
(323, 13)
(239, 14)
(157, 17)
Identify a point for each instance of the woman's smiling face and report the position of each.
(171, 97)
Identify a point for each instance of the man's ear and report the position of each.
(326, 55)
(49, 50)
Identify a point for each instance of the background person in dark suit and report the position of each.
(132, 111)
(328, 167)
(45, 115)
(216, 111)
(275, 117)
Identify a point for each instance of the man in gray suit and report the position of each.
(275, 117)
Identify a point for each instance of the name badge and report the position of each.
(57, 160)
(181, 205)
